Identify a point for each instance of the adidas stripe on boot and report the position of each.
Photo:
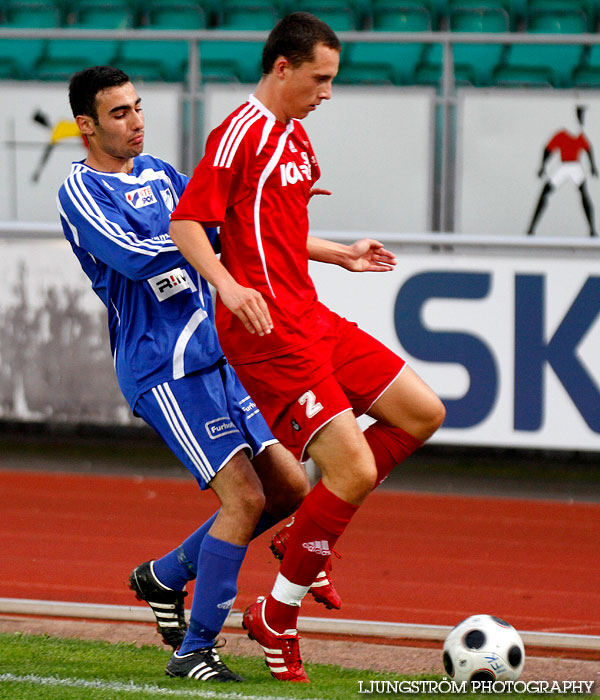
(167, 604)
(282, 651)
(203, 665)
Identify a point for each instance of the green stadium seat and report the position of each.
(102, 14)
(531, 64)
(388, 62)
(162, 60)
(178, 14)
(61, 58)
(429, 71)
(238, 61)
(248, 17)
(588, 73)
(20, 56)
(480, 60)
(32, 15)
(341, 17)
(402, 19)
(436, 9)
(153, 60)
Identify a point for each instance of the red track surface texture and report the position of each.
(406, 557)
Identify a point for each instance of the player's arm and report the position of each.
(246, 303)
(366, 255)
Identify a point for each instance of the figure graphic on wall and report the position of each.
(570, 168)
(63, 129)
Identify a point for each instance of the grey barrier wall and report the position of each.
(505, 329)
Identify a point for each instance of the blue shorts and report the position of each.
(205, 418)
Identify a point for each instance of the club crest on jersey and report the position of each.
(167, 196)
(169, 283)
(141, 197)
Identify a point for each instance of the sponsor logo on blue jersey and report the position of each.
(141, 197)
(166, 284)
(220, 426)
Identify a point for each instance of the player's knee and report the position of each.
(435, 417)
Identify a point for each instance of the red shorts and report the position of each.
(347, 369)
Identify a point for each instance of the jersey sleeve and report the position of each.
(206, 197)
(92, 221)
(215, 184)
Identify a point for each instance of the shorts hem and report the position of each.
(238, 448)
(265, 444)
(382, 392)
(304, 459)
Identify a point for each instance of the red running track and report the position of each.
(406, 557)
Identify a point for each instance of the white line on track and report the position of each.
(130, 687)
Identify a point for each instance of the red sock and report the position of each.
(318, 523)
(390, 447)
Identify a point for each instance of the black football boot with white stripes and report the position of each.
(203, 665)
(167, 604)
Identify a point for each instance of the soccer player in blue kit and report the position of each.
(114, 208)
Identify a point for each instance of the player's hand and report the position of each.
(249, 306)
(368, 255)
(319, 190)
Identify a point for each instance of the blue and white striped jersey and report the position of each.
(160, 315)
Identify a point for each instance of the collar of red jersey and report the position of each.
(267, 112)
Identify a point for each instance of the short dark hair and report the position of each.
(295, 37)
(86, 84)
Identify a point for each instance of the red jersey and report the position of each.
(254, 182)
(569, 146)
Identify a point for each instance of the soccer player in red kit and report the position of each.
(310, 371)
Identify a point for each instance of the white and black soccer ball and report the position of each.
(484, 648)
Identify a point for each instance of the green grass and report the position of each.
(48, 668)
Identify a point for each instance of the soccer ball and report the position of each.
(483, 648)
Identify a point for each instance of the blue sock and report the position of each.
(179, 566)
(219, 563)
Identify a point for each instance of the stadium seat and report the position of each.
(479, 60)
(102, 14)
(429, 71)
(249, 17)
(238, 61)
(366, 62)
(34, 15)
(162, 60)
(436, 9)
(588, 73)
(18, 57)
(535, 64)
(62, 57)
(340, 16)
(178, 14)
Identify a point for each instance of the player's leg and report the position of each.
(220, 558)
(407, 413)
(349, 473)
(181, 412)
(284, 481)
